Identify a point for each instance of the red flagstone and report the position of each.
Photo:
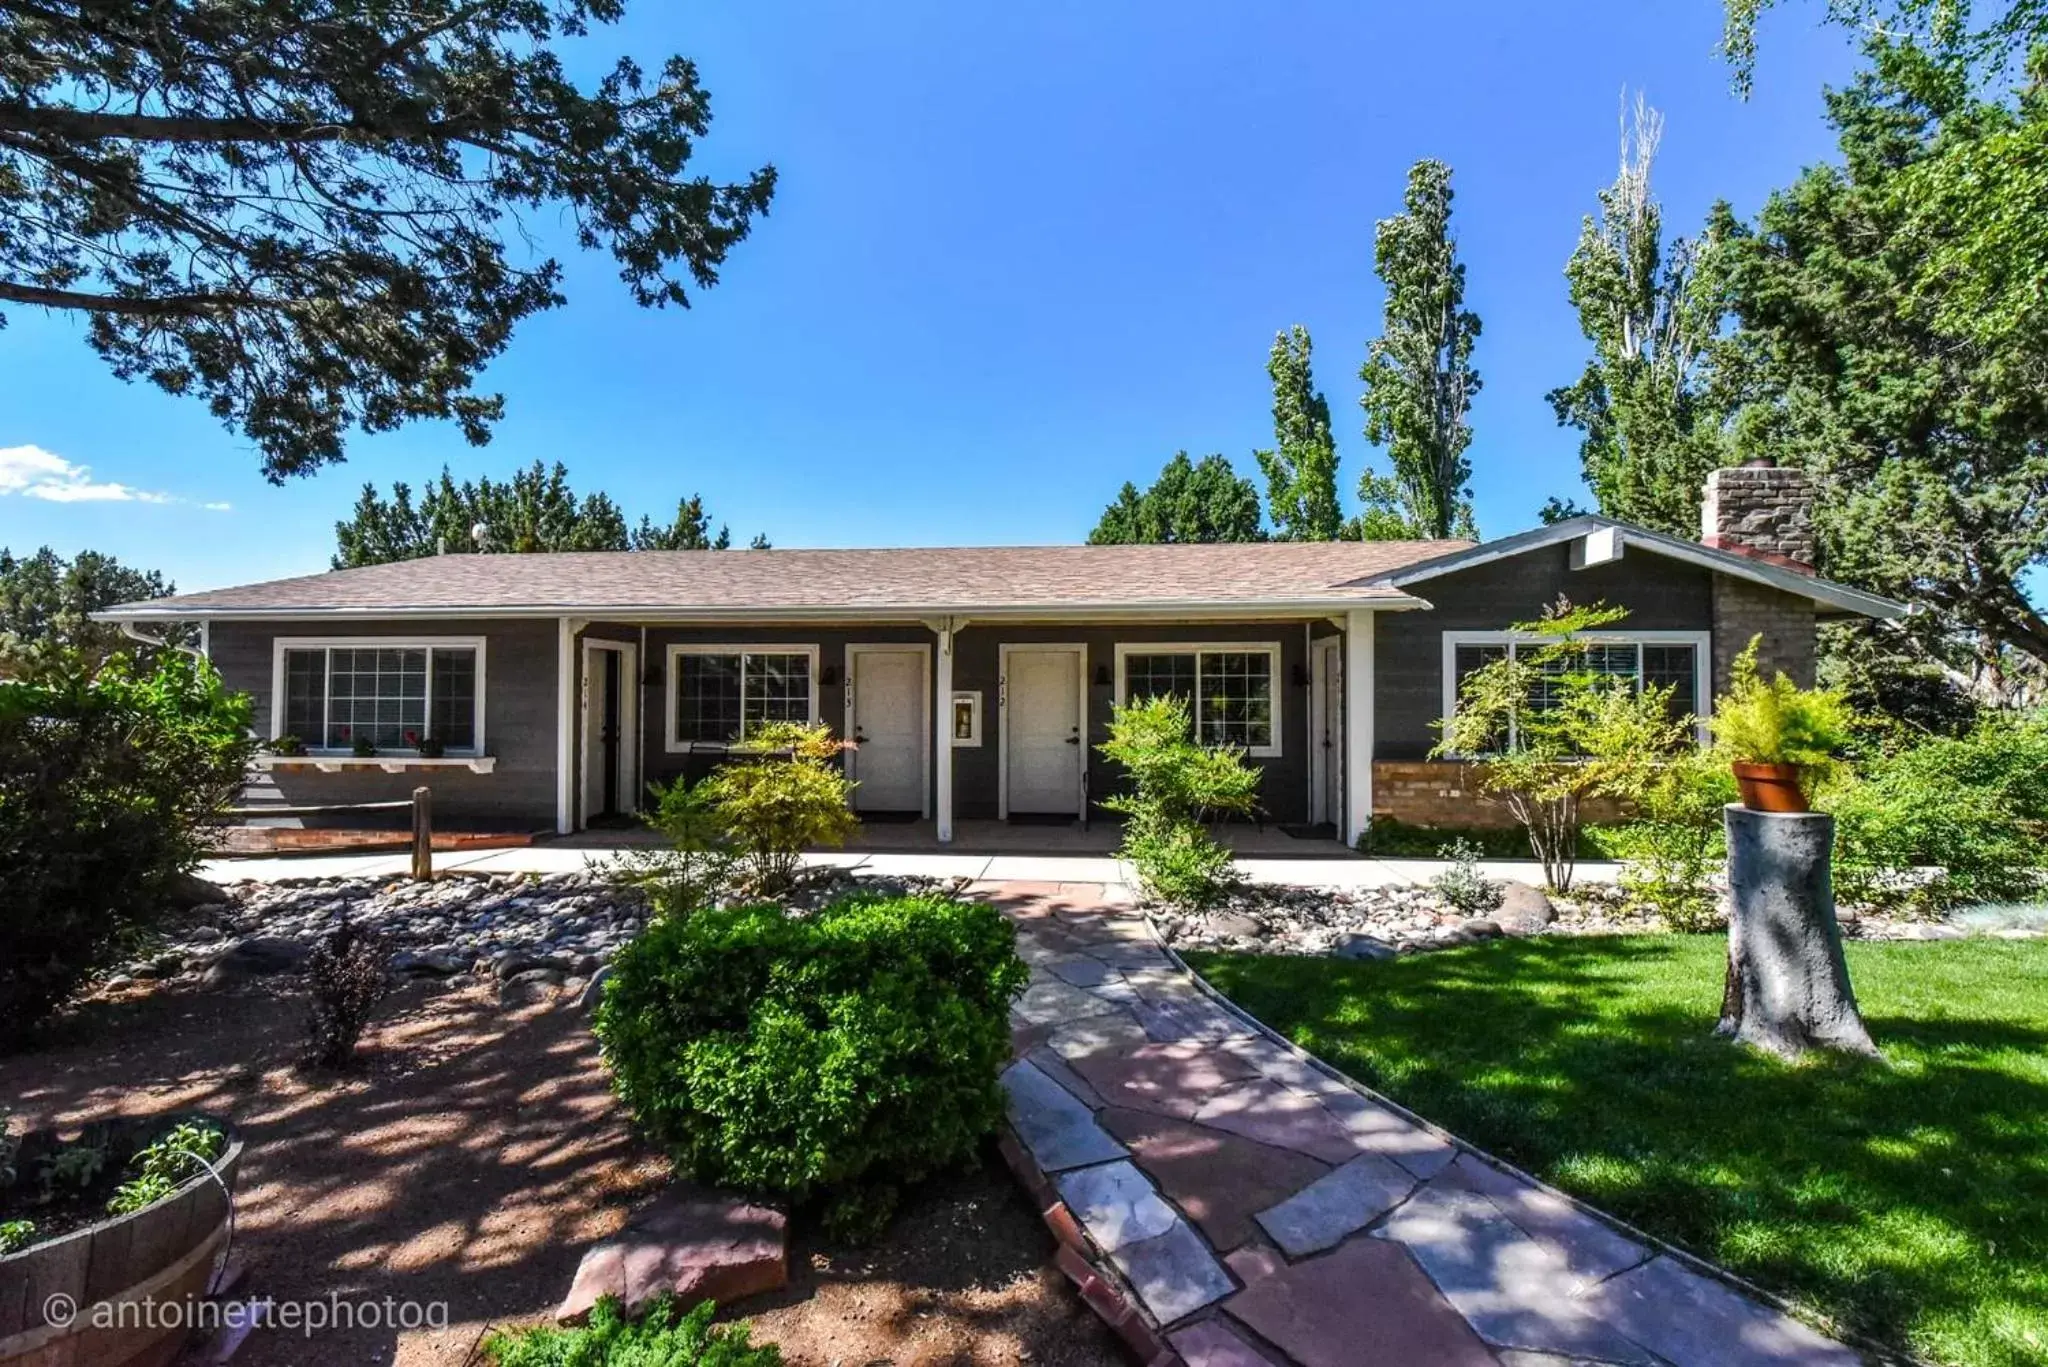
(1166, 1079)
(1220, 1180)
(694, 1243)
(1273, 1114)
(1367, 1302)
(1213, 1343)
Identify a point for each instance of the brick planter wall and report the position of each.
(1447, 793)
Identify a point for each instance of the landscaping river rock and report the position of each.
(537, 935)
(1378, 923)
(532, 934)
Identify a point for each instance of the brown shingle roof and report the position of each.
(950, 579)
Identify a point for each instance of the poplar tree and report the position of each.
(1301, 469)
(1419, 379)
(1650, 432)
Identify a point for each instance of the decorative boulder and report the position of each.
(1233, 925)
(1523, 910)
(188, 890)
(1363, 947)
(692, 1243)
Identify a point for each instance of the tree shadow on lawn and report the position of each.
(1907, 1198)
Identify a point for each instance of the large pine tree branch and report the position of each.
(159, 306)
(93, 126)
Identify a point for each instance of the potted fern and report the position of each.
(1776, 735)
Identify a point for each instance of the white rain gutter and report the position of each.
(134, 632)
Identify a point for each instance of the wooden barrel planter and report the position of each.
(114, 1271)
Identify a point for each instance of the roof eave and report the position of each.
(1840, 598)
(1386, 601)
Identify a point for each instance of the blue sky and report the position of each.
(1020, 254)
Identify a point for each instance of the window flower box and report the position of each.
(389, 763)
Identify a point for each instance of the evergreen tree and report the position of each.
(1419, 379)
(1929, 440)
(1301, 469)
(535, 510)
(1189, 502)
(315, 215)
(46, 607)
(691, 531)
(1651, 434)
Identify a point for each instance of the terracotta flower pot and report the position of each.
(1770, 787)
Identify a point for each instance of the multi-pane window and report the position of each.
(721, 695)
(1229, 691)
(390, 697)
(1468, 660)
(1675, 668)
(1640, 664)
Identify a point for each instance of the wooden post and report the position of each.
(423, 834)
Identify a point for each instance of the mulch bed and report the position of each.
(477, 1152)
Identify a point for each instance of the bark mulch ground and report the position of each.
(477, 1152)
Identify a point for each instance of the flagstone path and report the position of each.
(1267, 1214)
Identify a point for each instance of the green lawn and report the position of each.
(1908, 1201)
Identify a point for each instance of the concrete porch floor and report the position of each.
(1005, 837)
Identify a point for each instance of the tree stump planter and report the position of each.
(1788, 984)
(130, 1280)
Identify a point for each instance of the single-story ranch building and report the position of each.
(546, 691)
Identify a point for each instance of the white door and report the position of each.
(888, 729)
(1042, 731)
(1329, 737)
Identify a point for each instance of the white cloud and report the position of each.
(32, 472)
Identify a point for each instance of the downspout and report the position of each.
(136, 633)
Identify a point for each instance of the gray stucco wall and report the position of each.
(521, 696)
(659, 765)
(977, 668)
(977, 656)
(519, 725)
(1660, 595)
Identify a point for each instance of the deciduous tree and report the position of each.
(1190, 501)
(1301, 469)
(1651, 431)
(315, 215)
(1419, 378)
(1990, 37)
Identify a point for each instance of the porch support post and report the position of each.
(1358, 724)
(565, 725)
(942, 730)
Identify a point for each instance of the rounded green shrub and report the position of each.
(108, 782)
(830, 1057)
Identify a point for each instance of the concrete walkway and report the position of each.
(1267, 1214)
(1346, 872)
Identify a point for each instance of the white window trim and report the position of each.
(672, 682)
(281, 644)
(1271, 649)
(1700, 641)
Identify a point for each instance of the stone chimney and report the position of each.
(1762, 511)
(1765, 513)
